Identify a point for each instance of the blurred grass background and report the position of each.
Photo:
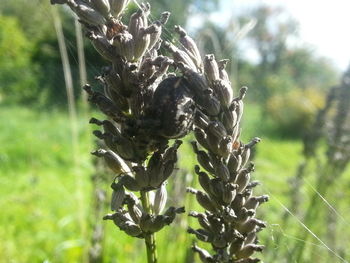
(40, 208)
(46, 189)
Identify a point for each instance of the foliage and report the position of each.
(293, 66)
(17, 81)
(293, 111)
(41, 80)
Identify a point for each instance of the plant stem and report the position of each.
(150, 239)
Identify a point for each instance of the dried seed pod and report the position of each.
(203, 159)
(222, 71)
(102, 6)
(254, 201)
(154, 167)
(250, 225)
(222, 172)
(160, 199)
(89, 15)
(124, 43)
(157, 223)
(139, 19)
(213, 142)
(117, 6)
(113, 161)
(201, 120)
(202, 220)
(171, 212)
(229, 193)
(105, 105)
(108, 126)
(180, 56)
(167, 171)
(243, 214)
(245, 156)
(130, 79)
(102, 46)
(155, 37)
(242, 180)
(130, 183)
(229, 216)
(128, 150)
(234, 165)
(211, 68)
(203, 254)
(219, 241)
(203, 179)
(190, 46)
(229, 120)
(225, 147)
(252, 143)
(134, 211)
(118, 196)
(201, 234)
(171, 152)
(216, 190)
(132, 229)
(217, 128)
(224, 92)
(203, 199)
(248, 250)
(142, 41)
(141, 176)
(120, 217)
(201, 137)
(253, 184)
(236, 132)
(145, 223)
(239, 103)
(251, 238)
(216, 223)
(120, 101)
(236, 245)
(232, 234)
(161, 70)
(238, 202)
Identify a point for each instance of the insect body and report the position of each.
(173, 105)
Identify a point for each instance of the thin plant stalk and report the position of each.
(338, 155)
(150, 239)
(81, 61)
(71, 111)
(99, 207)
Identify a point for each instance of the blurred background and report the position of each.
(292, 55)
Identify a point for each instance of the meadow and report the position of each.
(46, 192)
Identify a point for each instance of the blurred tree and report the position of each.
(17, 80)
(280, 61)
(34, 21)
(182, 9)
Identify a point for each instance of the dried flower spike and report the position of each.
(229, 222)
(146, 106)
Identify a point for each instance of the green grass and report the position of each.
(46, 196)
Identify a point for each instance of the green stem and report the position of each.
(150, 238)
